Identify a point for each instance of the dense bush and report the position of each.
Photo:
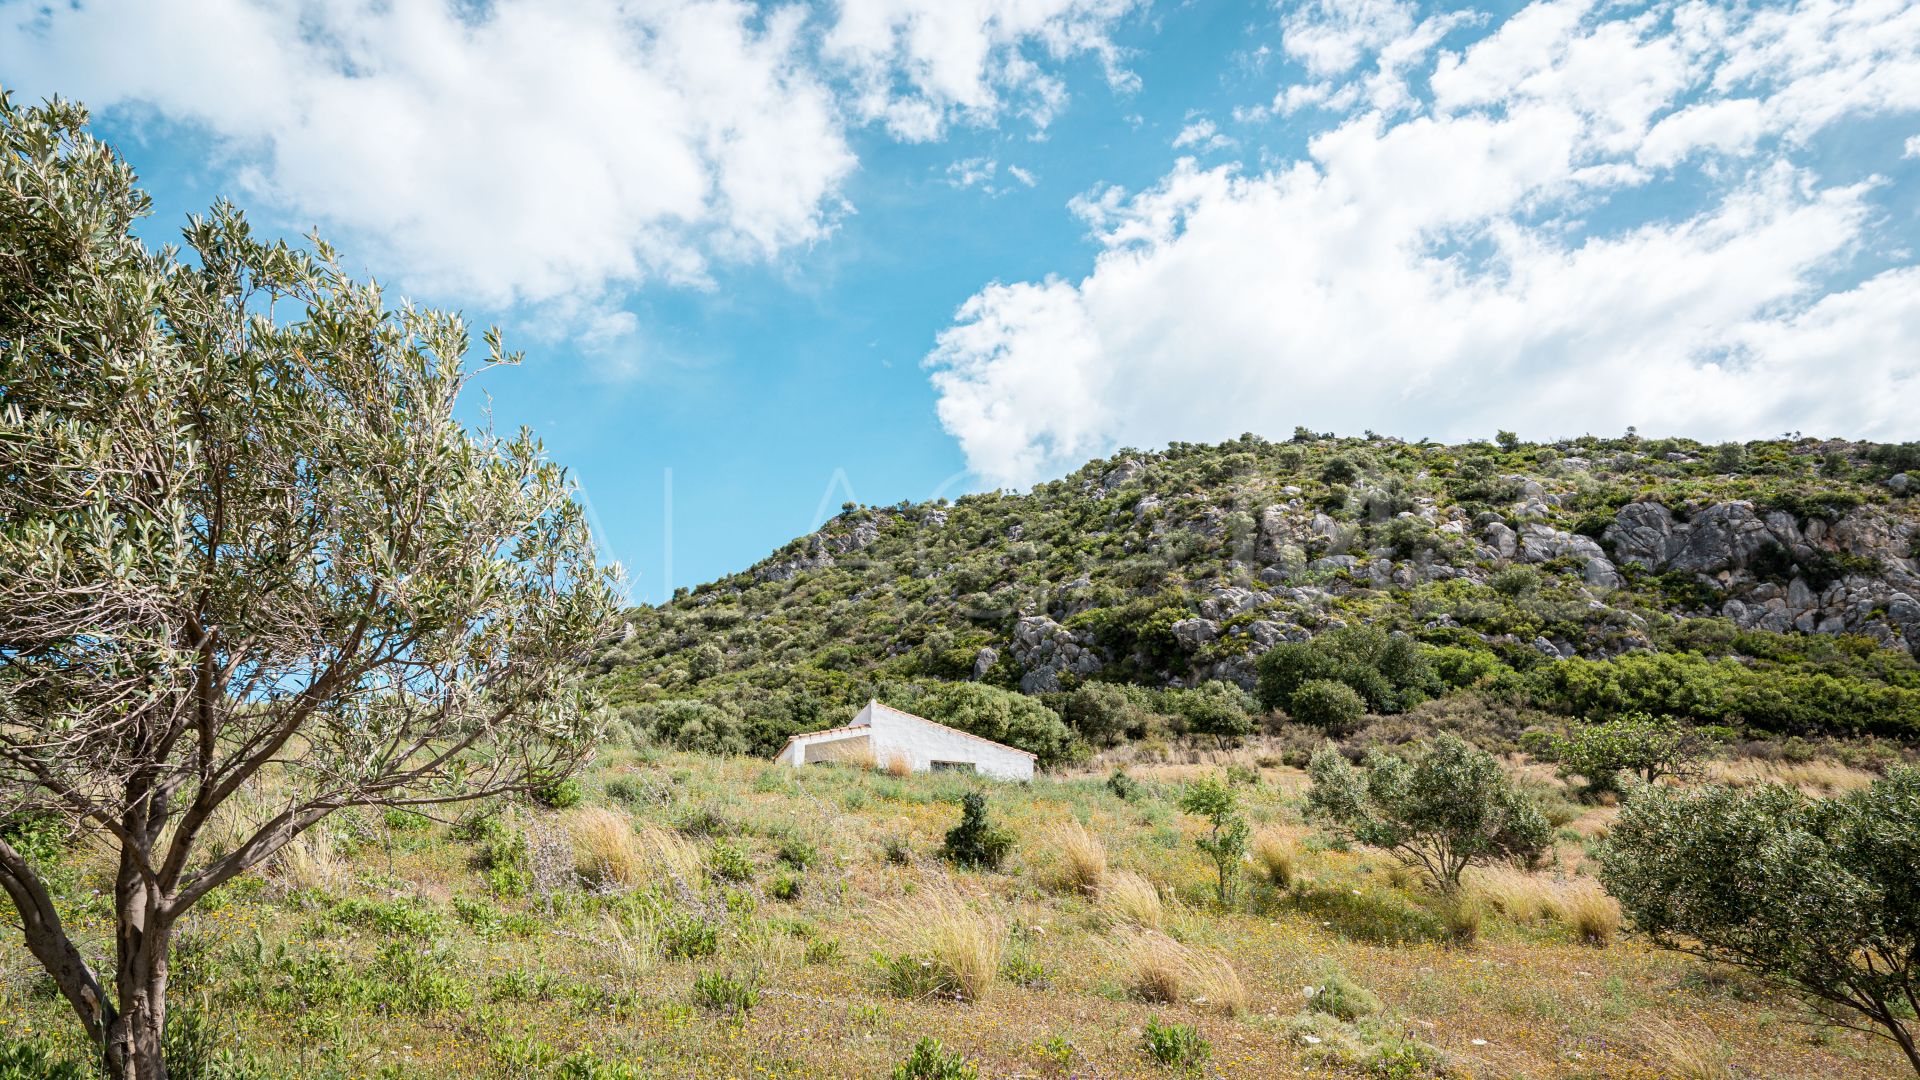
(976, 841)
(1726, 691)
(1327, 704)
(1105, 714)
(1213, 708)
(1822, 896)
(1442, 810)
(1389, 671)
(691, 725)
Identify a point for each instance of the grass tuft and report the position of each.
(1127, 897)
(1164, 971)
(1275, 859)
(1080, 858)
(606, 851)
(1592, 915)
(959, 945)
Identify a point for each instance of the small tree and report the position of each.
(243, 538)
(1637, 743)
(1226, 842)
(1443, 810)
(976, 841)
(1330, 706)
(1821, 896)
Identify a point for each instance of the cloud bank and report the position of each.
(1581, 218)
(523, 151)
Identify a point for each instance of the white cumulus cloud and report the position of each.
(920, 66)
(1502, 255)
(525, 151)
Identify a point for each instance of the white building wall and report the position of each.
(923, 743)
(895, 735)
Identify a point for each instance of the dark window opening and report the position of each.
(952, 766)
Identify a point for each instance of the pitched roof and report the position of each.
(828, 731)
(877, 704)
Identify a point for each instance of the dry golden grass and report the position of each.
(670, 857)
(1156, 966)
(606, 850)
(1531, 996)
(899, 765)
(963, 942)
(309, 862)
(1216, 983)
(1275, 858)
(1821, 777)
(1518, 895)
(1684, 1055)
(1592, 915)
(1127, 897)
(1463, 915)
(1080, 858)
(1162, 970)
(1578, 903)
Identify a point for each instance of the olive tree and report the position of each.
(1442, 810)
(1819, 896)
(251, 565)
(1643, 746)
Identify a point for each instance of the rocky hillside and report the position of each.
(1723, 582)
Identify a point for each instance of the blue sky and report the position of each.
(764, 259)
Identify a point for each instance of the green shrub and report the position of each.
(1819, 896)
(586, 1065)
(915, 978)
(727, 862)
(719, 992)
(797, 852)
(561, 794)
(1331, 706)
(976, 841)
(1389, 671)
(1519, 582)
(1106, 714)
(1124, 786)
(1177, 1046)
(1341, 997)
(22, 1060)
(392, 918)
(785, 887)
(930, 1061)
(197, 1049)
(1450, 806)
(684, 936)
(1213, 708)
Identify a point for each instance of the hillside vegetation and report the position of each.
(1765, 589)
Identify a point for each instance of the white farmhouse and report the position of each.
(884, 735)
